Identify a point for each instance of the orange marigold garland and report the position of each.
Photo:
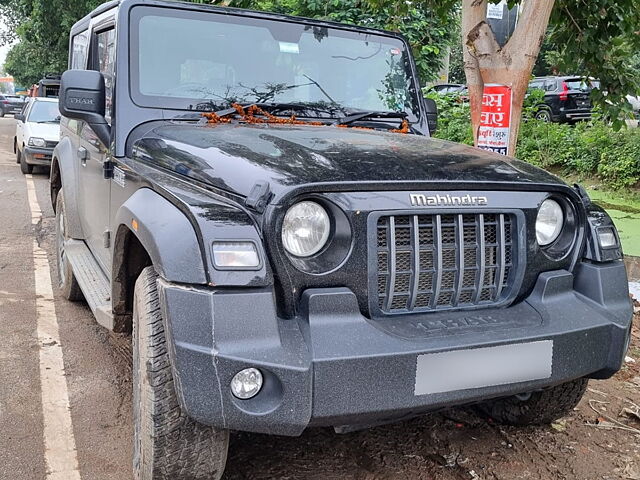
(254, 115)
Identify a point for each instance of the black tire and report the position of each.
(1, 112)
(18, 155)
(24, 166)
(544, 115)
(168, 445)
(538, 408)
(67, 283)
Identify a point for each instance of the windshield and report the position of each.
(44, 112)
(192, 60)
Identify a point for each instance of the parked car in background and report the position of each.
(37, 133)
(635, 105)
(451, 88)
(566, 99)
(11, 104)
(444, 88)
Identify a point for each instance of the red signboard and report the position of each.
(495, 122)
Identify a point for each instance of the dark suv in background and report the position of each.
(11, 104)
(566, 99)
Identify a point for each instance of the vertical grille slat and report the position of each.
(437, 257)
(443, 261)
(460, 248)
(481, 258)
(501, 257)
(415, 251)
(392, 260)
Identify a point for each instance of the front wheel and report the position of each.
(168, 444)
(24, 166)
(537, 408)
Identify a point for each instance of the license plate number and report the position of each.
(483, 367)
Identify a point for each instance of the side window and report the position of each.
(550, 85)
(79, 50)
(537, 84)
(105, 52)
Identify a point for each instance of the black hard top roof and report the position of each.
(84, 22)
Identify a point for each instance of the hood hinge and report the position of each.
(259, 196)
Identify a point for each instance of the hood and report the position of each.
(236, 156)
(48, 131)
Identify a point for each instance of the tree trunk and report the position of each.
(486, 62)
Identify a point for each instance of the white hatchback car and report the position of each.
(37, 133)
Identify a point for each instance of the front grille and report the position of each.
(438, 262)
(51, 143)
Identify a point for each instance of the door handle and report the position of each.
(82, 155)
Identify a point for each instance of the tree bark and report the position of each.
(486, 62)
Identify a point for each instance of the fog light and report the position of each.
(246, 383)
(607, 238)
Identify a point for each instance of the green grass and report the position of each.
(624, 209)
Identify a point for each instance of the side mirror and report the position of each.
(432, 114)
(82, 97)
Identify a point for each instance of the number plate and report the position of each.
(483, 367)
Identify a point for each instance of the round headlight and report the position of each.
(305, 229)
(549, 222)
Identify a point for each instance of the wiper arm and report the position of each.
(369, 114)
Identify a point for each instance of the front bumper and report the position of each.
(333, 367)
(38, 156)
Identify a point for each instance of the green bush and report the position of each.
(587, 149)
(620, 165)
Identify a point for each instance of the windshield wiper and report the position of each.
(369, 115)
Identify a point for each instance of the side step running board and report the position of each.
(93, 282)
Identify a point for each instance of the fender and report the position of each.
(165, 233)
(64, 158)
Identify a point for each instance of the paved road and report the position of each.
(48, 341)
(98, 380)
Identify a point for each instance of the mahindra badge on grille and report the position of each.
(421, 200)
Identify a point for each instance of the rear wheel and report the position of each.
(67, 282)
(544, 115)
(18, 155)
(24, 166)
(537, 408)
(168, 444)
(1, 112)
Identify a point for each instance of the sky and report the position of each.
(3, 53)
(3, 49)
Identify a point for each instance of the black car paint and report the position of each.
(310, 333)
(233, 157)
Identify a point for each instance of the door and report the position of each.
(20, 126)
(94, 190)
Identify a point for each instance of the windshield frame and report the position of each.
(226, 15)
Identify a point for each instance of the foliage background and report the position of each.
(587, 149)
(42, 28)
